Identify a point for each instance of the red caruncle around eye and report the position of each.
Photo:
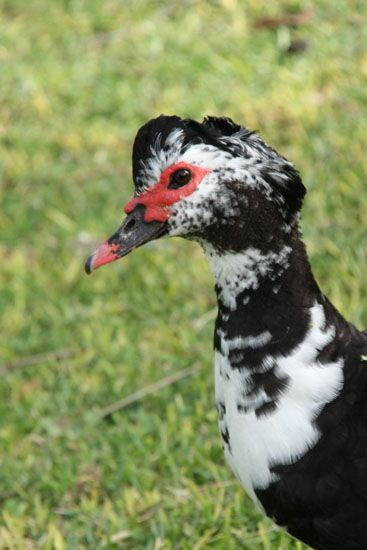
(158, 198)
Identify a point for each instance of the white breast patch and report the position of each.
(287, 433)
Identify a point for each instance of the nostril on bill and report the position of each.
(130, 224)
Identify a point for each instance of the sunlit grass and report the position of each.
(77, 80)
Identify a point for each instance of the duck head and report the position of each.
(215, 182)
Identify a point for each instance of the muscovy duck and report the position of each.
(290, 371)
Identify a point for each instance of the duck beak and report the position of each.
(133, 232)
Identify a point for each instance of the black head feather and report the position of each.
(157, 128)
(221, 126)
(224, 134)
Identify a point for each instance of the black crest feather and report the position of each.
(224, 126)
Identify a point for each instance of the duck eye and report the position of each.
(179, 178)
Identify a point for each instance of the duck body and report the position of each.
(289, 378)
(290, 371)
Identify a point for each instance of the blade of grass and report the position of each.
(151, 388)
(37, 358)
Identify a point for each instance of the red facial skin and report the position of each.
(159, 198)
(157, 201)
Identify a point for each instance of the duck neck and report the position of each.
(264, 295)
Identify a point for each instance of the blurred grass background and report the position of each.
(77, 79)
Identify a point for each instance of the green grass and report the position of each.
(77, 79)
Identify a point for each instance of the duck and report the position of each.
(290, 371)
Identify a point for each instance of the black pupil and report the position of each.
(179, 178)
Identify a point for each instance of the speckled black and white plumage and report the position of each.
(290, 372)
